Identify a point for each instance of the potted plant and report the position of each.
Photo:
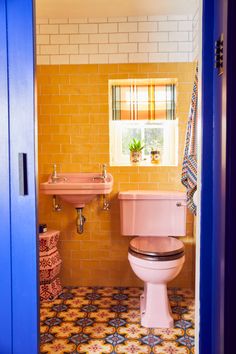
(135, 148)
(155, 156)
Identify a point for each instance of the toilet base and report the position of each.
(154, 307)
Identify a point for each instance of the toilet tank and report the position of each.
(153, 213)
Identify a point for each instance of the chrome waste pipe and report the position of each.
(80, 220)
(55, 204)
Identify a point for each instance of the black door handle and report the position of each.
(23, 174)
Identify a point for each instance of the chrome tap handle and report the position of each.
(54, 172)
(104, 171)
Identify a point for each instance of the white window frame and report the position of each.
(170, 141)
(170, 129)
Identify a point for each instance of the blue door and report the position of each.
(213, 189)
(18, 251)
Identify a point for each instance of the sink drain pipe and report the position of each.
(80, 220)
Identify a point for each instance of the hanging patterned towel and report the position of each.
(189, 170)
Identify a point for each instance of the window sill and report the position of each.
(141, 164)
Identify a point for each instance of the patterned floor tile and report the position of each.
(133, 346)
(86, 320)
(133, 331)
(95, 346)
(59, 346)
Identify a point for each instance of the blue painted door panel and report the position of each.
(5, 240)
(230, 283)
(206, 218)
(212, 254)
(219, 184)
(21, 236)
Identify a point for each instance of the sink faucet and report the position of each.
(54, 173)
(104, 171)
(103, 176)
(54, 177)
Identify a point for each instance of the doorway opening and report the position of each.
(78, 52)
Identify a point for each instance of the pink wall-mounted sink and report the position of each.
(78, 189)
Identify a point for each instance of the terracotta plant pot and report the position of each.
(135, 157)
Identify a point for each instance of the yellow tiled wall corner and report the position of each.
(73, 132)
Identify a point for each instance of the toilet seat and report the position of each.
(156, 248)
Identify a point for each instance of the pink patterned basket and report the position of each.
(49, 266)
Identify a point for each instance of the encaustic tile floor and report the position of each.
(101, 320)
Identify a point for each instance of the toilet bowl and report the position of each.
(156, 261)
(155, 255)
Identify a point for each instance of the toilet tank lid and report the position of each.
(144, 195)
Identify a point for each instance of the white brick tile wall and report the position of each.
(117, 19)
(58, 20)
(138, 57)
(159, 36)
(97, 19)
(185, 47)
(88, 48)
(48, 29)
(62, 39)
(128, 48)
(78, 20)
(43, 59)
(88, 28)
(138, 37)
(98, 59)
(178, 57)
(178, 36)
(108, 48)
(137, 19)
(118, 58)
(79, 38)
(168, 47)
(195, 37)
(69, 49)
(60, 59)
(157, 18)
(168, 26)
(185, 25)
(108, 28)
(128, 27)
(79, 59)
(49, 49)
(69, 28)
(147, 26)
(158, 57)
(41, 21)
(98, 38)
(147, 47)
(177, 18)
(43, 39)
(117, 39)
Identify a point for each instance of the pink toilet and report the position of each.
(155, 256)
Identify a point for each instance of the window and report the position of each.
(143, 109)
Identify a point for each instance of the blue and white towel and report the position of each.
(189, 170)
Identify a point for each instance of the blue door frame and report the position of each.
(214, 280)
(19, 329)
(230, 245)
(5, 258)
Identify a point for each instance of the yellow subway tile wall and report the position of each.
(73, 133)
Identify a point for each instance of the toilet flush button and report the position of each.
(178, 204)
